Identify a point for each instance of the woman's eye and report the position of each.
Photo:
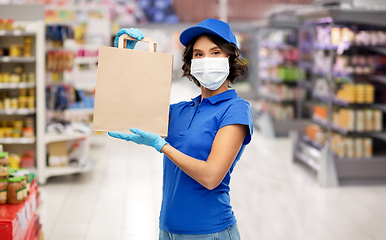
(198, 54)
(216, 53)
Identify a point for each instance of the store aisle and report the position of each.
(273, 198)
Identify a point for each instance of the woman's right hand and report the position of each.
(132, 32)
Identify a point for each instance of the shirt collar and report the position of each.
(231, 93)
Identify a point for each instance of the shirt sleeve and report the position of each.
(239, 113)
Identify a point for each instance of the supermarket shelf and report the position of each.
(343, 103)
(17, 140)
(16, 85)
(307, 160)
(16, 33)
(379, 78)
(17, 59)
(313, 144)
(58, 171)
(64, 137)
(20, 111)
(86, 60)
(326, 124)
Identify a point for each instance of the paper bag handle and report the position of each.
(124, 37)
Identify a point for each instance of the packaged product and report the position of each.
(4, 165)
(14, 161)
(15, 190)
(3, 191)
(360, 121)
(367, 148)
(349, 148)
(358, 148)
(377, 120)
(369, 120)
(22, 174)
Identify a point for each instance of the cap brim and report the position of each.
(188, 34)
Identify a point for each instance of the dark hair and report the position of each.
(237, 66)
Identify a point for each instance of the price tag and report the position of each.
(17, 32)
(22, 219)
(28, 210)
(2, 32)
(6, 59)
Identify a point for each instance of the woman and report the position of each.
(206, 137)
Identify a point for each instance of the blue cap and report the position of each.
(209, 26)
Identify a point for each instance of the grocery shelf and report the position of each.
(344, 103)
(58, 171)
(307, 160)
(17, 140)
(312, 143)
(16, 33)
(55, 137)
(324, 123)
(85, 60)
(17, 59)
(20, 111)
(17, 85)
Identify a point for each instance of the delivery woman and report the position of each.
(206, 137)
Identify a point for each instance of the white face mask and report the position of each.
(210, 72)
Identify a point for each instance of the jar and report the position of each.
(28, 132)
(5, 77)
(15, 190)
(25, 172)
(4, 165)
(9, 24)
(1, 132)
(14, 103)
(24, 77)
(18, 124)
(14, 50)
(3, 191)
(7, 103)
(2, 24)
(31, 102)
(22, 102)
(16, 133)
(22, 175)
(31, 77)
(14, 161)
(8, 132)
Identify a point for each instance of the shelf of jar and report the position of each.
(324, 123)
(345, 103)
(17, 59)
(67, 170)
(59, 137)
(19, 111)
(17, 85)
(17, 140)
(16, 33)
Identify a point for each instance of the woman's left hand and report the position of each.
(141, 137)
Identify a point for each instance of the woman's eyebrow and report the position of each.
(213, 48)
(196, 50)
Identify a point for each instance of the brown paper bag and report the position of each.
(132, 89)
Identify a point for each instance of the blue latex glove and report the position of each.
(141, 137)
(132, 32)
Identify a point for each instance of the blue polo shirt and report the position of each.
(187, 206)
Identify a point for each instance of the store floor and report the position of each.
(272, 197)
